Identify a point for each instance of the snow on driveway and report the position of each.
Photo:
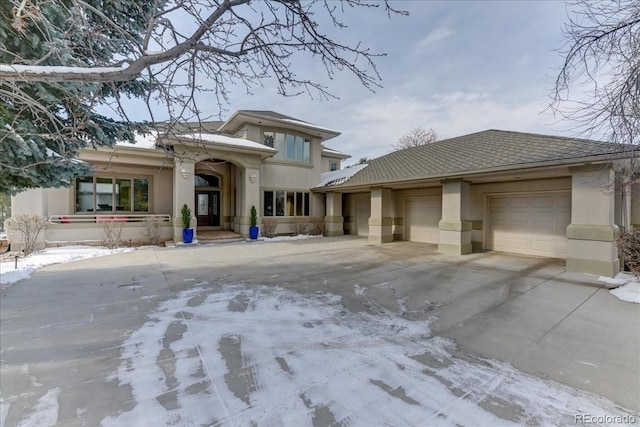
(238, 355)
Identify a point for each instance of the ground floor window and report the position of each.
(285, 203)
(102, 194)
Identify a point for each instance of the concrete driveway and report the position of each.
(329, 331)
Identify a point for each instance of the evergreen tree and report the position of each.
(61, 59)
(43, 125)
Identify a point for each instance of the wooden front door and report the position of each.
(208, 208)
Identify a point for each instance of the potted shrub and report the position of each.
(187, 231)
(253, 220)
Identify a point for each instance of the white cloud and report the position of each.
(375, 125)
(435, 36)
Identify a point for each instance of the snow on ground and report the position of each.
(3, 234)
(27, 265)
(628, 286)
(238, 354)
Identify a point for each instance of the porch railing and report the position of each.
(101, 218)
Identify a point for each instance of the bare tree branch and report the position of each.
(417, 137)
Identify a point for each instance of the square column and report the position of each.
(381, 220)
(455, 225)
(333, 221)
(249, 196)
(183, 192)
(592, 233)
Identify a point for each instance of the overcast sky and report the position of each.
(458, 67)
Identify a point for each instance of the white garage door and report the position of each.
(363, 212)
(530, 223)
(422, 218)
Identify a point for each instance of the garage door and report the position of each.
(530, 223)
(422, 218)
(363, 212)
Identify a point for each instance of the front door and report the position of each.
(208, 208)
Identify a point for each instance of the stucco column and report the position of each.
(592, 232)
(333, 221)
(381, 221)
(455, 226)
(249, 196)
(183, 192)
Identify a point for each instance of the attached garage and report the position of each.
(363, 212)
(422, 217)
(529, 223)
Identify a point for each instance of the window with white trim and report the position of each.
(290, 146)
(285, 203)
(114, 195)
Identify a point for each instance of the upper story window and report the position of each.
(333, 166)
(290, 146)
(100, 194)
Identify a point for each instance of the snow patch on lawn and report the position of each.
(27, 265)
(239, 354)
(627, 287)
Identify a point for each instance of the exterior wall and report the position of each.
(593, 232)
(455, 226)
(326, 161)
(479, 192)
(61, 201)
(93, 234)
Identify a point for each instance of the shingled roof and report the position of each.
(486, 151)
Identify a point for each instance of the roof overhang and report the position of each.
(239, 118)
(222, 143)
(497, 174)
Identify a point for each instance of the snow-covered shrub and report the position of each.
(629, 250)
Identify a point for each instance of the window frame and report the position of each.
(285, 140)
(281, 204)
(113, 205)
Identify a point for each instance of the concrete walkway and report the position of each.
(64, 331)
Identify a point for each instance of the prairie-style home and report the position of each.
(493, 190)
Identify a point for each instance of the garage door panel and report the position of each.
(422, 218)
(542, 201)
(529, 223)
(363, 212)
(518, 202)
(498, 202)
(518, 215)
(543, 217)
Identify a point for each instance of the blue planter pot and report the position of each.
(187, 235)
(253, 232)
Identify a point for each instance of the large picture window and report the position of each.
(100, 194)
(289, 146)
(285, 203)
